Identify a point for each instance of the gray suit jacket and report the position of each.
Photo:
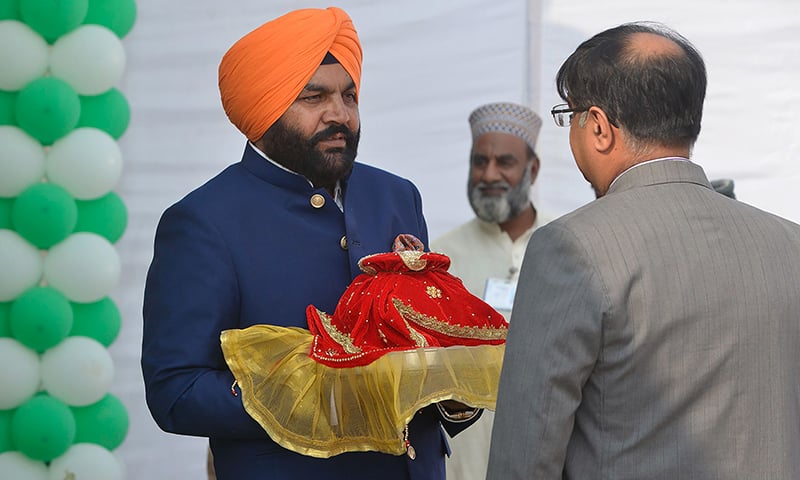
(655, 335)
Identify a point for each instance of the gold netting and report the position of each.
(322, 411)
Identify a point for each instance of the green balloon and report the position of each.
(105, 216)
(108, 111)
(99, 320)
(116, 15)
(42, 428)
(47, 109)
(8, 102)
(5, 212)
(44, 214)
(5, 431)
(53, 18)
(5, 321)
(104, 423)
(9, 9)
(40, 318)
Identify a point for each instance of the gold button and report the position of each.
(343, 242)
(317, 200)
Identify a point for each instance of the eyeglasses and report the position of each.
(562, 114)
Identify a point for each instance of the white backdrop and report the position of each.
(426, 65)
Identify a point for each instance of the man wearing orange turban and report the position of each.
(282, 229)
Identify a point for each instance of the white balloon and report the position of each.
(86, 461)
(77, 371)
(14, 465)
(21, 265)
(21, 160)
(90, 58)
(87, 163)
(23, 55)
(19, 374)
(84, 267)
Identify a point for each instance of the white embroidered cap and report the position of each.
(507, 118)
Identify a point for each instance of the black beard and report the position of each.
(323, 169)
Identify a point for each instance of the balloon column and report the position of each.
(60, 118)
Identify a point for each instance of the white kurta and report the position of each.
(480, 251)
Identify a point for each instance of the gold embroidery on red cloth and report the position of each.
(432, 323)
(366, 268)
(418, 338)
(433, 292)
(341, 338)
(333, 357)
(412, 259)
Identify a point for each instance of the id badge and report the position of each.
(500, 293)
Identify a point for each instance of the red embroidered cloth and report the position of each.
(404, 300)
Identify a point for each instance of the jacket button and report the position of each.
(317, 200)
(343, 242)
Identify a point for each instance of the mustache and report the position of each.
(349, 135)
(483, 185)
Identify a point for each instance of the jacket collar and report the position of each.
(272, 173)
(659, 172)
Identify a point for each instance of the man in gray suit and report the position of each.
(656, 330)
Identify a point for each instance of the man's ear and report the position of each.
(534, 161)
(603, 132)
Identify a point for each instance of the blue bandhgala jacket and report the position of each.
(246, 248)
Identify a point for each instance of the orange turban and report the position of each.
(262, 74)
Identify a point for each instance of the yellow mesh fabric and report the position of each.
(322, 411)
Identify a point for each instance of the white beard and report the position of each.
(505, 207)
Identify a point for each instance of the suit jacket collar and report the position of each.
(253, 162)
(654, 173)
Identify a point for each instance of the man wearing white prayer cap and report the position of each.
(487, 251)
